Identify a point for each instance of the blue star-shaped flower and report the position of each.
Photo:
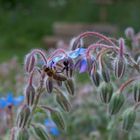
(10, 100)
(51, 127)
(73, 54)
(84, 64)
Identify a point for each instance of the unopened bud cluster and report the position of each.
(56, 77)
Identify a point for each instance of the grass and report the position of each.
(23, 26)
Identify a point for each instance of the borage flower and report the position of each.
(51, 127)
(66, 62)
(10, 100)
(83, 63)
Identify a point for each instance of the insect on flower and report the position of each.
(57, 71)
(51, 72)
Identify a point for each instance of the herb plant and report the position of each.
(112, 65)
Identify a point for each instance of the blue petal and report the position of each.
(58, 58)
(18, 100)
(73, 54)
(49, 123)
(10, 99)
(54, 131)
(79, 51)
(83, 66)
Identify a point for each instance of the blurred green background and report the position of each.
(24, 23)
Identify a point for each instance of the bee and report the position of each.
(51, 72)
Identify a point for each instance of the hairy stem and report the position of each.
(85, 34)
(123, 86)
(40, 52)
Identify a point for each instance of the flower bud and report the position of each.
(30, 61)
(58, 119)
(95, 78)
(136, 90)
(39, 131)
(30, 95)
(104, 71)
(63, 101)
(90, 61)
(105, 75)
(49, 84)
(106, 91)
(116, 103)
(23, 116)
(120, 66)
(21, 134)
(59, 83)
(69, 83)
(129, 118)
(129, 32)
(60, 77)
